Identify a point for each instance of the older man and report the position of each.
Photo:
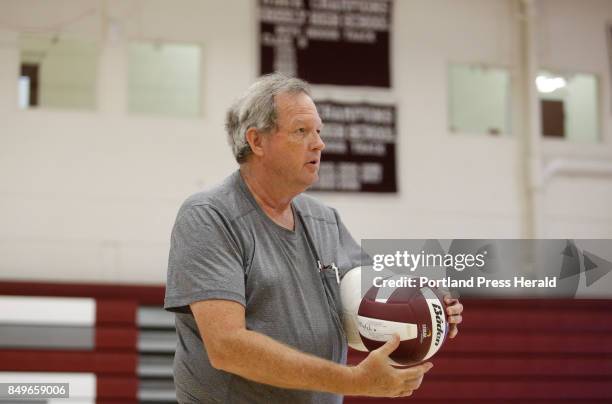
(250, 275)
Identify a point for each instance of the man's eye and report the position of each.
(301, 130)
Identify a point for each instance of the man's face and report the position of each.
(293, 152)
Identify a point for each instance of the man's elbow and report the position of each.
(222, 353)
(217, 361)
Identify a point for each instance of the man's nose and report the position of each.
(318, 142)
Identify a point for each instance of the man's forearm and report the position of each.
(262, 359)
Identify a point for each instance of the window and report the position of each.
(569, 106)
(57, 72)
(164, 79)
(479, 99)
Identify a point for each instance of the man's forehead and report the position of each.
(296, 106)
(288, 99)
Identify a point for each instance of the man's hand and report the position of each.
(375, 376)
(453, 309)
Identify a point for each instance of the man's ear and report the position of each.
(255, 140)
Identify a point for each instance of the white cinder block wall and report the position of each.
(92, 196)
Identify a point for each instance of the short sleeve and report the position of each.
(348, 244)
(205, 260)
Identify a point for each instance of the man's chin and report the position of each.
(311, 180)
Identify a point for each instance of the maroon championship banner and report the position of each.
(341, 42)
(359, 153)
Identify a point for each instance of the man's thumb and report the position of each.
(390, 345)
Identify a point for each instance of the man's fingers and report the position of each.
(416, 371)
(453, 331)
(455, 319)
(456, 308)
(414, 384)
(413, 377)
(449, 300)
(390, 345)
(425, 367)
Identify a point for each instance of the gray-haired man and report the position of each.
(257, 320)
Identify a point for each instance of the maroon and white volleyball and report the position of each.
(417, 315)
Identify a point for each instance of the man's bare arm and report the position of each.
(254, 356)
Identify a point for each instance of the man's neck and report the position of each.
(273, 200)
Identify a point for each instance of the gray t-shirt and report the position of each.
(225, 247)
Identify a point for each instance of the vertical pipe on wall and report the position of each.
(531, 157)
